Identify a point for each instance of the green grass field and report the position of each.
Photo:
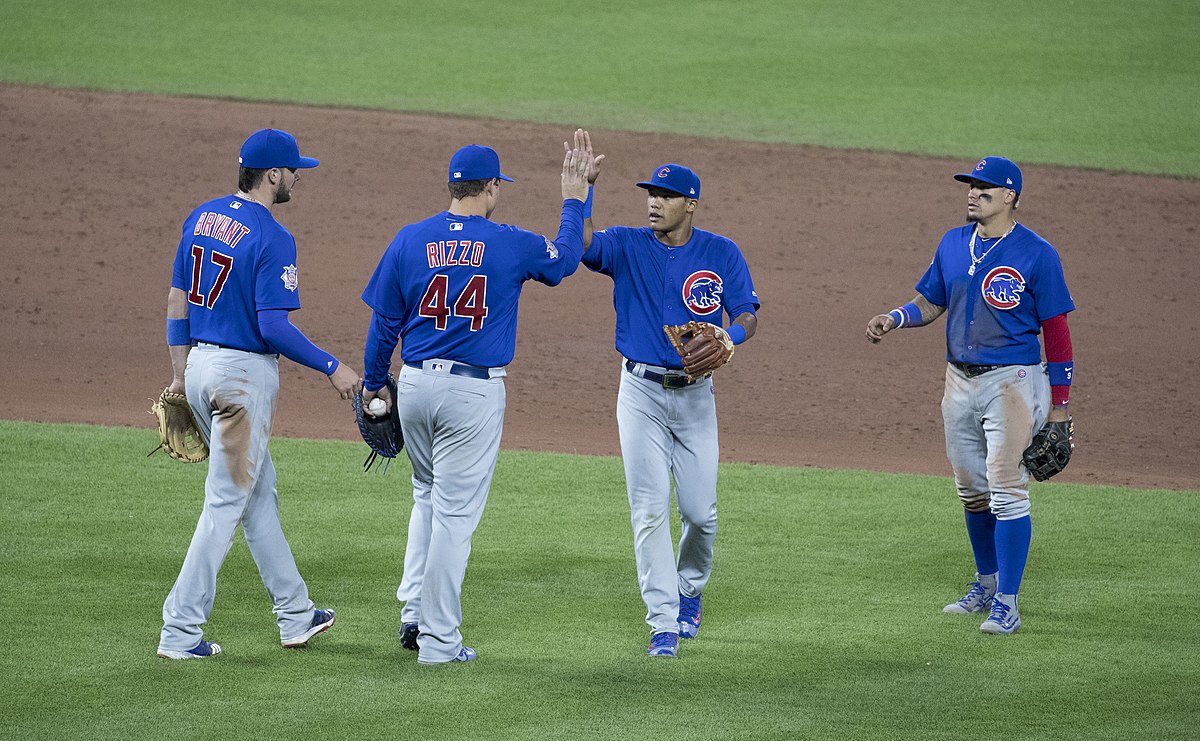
(1106, 84)
(823, 619)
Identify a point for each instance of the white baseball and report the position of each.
(377, 407)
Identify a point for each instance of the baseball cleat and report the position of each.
(689, 616)
(321, 622)
(464, 654)
(664, 644)
(977, 599)
(1003, 619)
(408, 636)
(201, 651)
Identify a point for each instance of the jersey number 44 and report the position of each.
(470, 304)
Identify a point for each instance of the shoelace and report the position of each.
(661, 640)
(999, 613)
(975, 592)
(689, 608)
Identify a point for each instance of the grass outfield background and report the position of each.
(824, 620)
(1105, 84)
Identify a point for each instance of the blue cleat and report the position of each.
(689, 616)
(664, 644)
(201, 651)
(408, 636)
(1003, 619)
(321, 622)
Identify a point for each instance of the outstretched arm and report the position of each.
(286, 339)
(916, 313)
(583, 141)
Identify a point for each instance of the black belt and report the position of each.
(970, 371)
(668, 380)
(461, 369)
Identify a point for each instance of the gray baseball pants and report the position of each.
(232, 395)
(452, 426)
(669, 435)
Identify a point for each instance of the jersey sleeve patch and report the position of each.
(290, 278)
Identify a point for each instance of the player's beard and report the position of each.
(283, 195)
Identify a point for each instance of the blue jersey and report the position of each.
(656, 285)
(234, 260)
(454, 282)
(994, 316)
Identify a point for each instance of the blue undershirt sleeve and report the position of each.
(377, 356)
(286, 339)
(569, 240)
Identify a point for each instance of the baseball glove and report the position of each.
(382, 434)
(704, 347)
(177, 430)
(1051, 449)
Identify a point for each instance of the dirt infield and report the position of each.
(97, 184)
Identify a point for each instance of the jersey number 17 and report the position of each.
(224, 262)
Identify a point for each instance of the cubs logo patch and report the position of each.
(982, 164)
(1021, 373)
(1002, 287)
(664, 172)
(702, 292)
(290, 278)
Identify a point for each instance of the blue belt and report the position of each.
(970, 371)
(461, 369)
(668, 380)
(203, 343)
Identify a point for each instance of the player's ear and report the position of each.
(691, 207)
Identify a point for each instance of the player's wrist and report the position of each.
(906, 316)
(587, 204)
(737, 333)
(179, 332)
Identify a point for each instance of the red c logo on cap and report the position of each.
(982, 164)
(664, 172)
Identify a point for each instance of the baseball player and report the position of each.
(999, 284)
(669, 273)
(234, 282)
(449, 287)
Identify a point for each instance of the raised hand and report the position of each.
(583, 140)
(577, 163)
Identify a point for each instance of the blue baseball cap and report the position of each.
(269, 148)
(994, 171)
(475, 162)
(675, 178)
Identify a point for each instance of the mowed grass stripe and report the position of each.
(823, 619)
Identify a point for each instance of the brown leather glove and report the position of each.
(704, 347)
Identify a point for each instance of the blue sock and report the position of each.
(981, 529)
(1012, 546)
